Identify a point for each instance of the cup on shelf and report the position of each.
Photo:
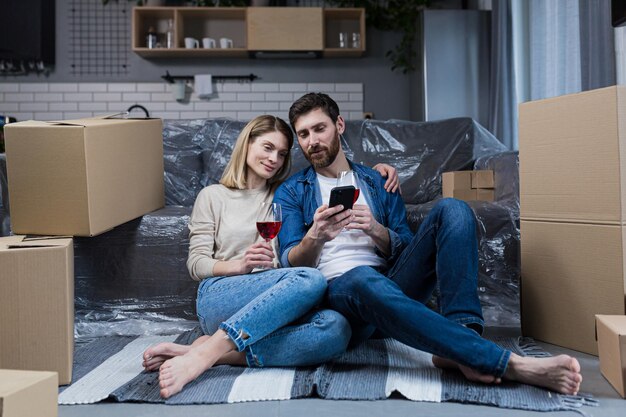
(208, 43)
(356, 40)
(191, 43)
(343, 39)
(226, 43)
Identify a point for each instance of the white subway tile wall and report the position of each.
(241, 101)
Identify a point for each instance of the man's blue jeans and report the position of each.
(444, 255)
(269, 316)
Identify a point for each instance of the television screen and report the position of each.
(618, 12)
(27, 31)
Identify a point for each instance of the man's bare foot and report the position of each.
(559, 373)
(155, 355)
(469, 373)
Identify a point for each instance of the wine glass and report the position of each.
(349, 178)
(269, 220)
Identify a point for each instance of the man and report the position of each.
(381, 274)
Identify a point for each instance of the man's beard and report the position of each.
(326, 156)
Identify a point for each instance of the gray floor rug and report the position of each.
(110, 368)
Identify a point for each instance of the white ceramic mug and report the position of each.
(226, 43)
(343, 39)
(191, 43)
(208, 43)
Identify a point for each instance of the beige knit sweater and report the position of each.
(222, 226)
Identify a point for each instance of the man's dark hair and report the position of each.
(310, 102)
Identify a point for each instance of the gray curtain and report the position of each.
(571, 46)
(502, 97)
(554, 37)
(560, 47)
(597, 45)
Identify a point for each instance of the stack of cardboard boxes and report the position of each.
(71, 178)
(468, 185)
(572, 152)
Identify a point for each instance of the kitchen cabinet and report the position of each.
(272, 31)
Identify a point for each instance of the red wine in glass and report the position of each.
(268, 230)
(349, 178)
(269, 220)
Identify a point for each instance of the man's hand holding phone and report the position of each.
(344, 195)
(328, 222)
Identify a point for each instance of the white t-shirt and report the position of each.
(351, 248)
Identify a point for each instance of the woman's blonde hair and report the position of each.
(235, 174)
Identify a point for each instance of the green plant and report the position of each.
(393, 15)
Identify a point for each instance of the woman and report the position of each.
(254, 319)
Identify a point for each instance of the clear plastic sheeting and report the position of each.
(420, 151)
(498, 234)
(196, 153)
(134, 277)
(131, 317)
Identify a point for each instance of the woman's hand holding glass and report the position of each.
(259, 255)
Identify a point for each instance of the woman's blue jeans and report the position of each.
(444, 255)
(269, 315)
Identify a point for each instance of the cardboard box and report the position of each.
(572, 157)
(611, 334)
(468, 185)
(570, 273)
(483, 179)
(83, 177)
(455, 180)
(28, 394)
(572, 152)
(37, 305)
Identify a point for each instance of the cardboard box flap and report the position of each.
(92, 122)
(27, 123)
(24, 242)
(12, 381)
(617, 324)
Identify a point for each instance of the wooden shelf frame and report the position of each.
(234, 23)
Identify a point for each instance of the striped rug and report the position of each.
(111, 368)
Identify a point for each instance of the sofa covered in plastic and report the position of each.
(133, 279)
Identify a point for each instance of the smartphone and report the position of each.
(342, 195)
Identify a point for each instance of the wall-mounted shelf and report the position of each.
(252, 29)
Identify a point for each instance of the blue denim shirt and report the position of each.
(300, 196)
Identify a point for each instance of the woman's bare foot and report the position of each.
(233, 358)
(155, 355)
(178, 371)
(559, 373)
(469, 373)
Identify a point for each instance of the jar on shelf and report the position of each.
(169, 35)
(151, 39)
